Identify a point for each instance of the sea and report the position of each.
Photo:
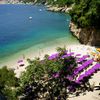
(25, 26)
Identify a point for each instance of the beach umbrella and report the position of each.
(20, 61)
(98, 49)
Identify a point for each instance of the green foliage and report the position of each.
(65, 2)
(86, 13)
(38, 78)
(61, 50)
(46, 79)
(38, 69)
(7, 77)
(10, 93)
(26, 1)
(8, 82)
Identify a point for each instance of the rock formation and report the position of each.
(90, 36)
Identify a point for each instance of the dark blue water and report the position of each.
(17, 32)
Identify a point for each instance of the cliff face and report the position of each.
(86, 36)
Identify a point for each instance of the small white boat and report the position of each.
(30, 17)
(40, 9)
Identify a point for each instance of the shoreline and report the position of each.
(11, 61)
(55, 8)
(63, 41)
(38, 50)
(76, 48)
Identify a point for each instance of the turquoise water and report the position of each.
(18, 33)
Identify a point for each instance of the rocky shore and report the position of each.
(87, 36)
(59, 9)
(75, 31)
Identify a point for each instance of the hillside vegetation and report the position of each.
(86, 13)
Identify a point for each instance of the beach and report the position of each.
(89, 95)
(38, 52)
(34, 42)
(30, 39)
(94, 95)
(76, 48)
(21, 35)
(35, 51)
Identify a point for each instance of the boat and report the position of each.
(30, 17)
(40, 9)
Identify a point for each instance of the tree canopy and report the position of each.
(86, 13)
(8, 83)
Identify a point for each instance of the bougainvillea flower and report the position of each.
(53, 56)
(56, 75)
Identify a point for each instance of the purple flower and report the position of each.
(70, 78)
(67, 55)
(53, 56)
(71, 89)
(64, 56)
(56, 75)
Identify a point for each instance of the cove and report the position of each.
(18, 32)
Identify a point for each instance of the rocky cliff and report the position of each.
(90, 36)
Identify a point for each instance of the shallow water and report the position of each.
(18, 32)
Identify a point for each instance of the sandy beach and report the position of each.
(89, 96)
(32, 53)
(38, 50)
(77, 49)
(25, 39)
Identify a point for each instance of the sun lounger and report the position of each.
(88, 73)
(83, 58)
(83, 66)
